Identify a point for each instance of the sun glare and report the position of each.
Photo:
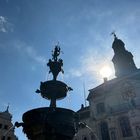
(106, 71)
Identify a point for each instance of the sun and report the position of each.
(106, 71)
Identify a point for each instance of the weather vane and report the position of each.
(113, 33)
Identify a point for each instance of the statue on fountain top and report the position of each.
(56, 53)
(55, 64)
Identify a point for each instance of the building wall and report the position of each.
(5, 125)
(121, 101)
(114, 109)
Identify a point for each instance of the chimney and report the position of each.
(105, 79)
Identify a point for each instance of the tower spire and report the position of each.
(122, 59)
(7, 108)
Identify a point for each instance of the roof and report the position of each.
(83, 109)
(84, 113)
(6, 114)
(109, 84)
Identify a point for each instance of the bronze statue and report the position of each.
(55, 64)
(56, 53)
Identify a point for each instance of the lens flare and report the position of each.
(106, 71)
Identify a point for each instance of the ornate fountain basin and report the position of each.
(49, 124)
(53, 89)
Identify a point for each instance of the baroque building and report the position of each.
(114, 106)
(6, 126)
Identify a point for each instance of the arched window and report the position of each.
(104, 131)
(125, 127)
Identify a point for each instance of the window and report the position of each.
(0, 125)
(100, 108)
(104, 131)
(84, 137)
(9, 138)
(3, 138)
(125, 127)
(6, 127)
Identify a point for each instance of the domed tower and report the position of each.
(122, 59)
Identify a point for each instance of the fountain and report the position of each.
(51, 123)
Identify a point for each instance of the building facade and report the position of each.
(114, 105)
(6, 126)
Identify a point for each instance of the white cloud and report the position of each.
(75, 72)
(5, 25)
(29, 51)
(91, 63)
(3, 22)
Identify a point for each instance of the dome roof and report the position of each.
(6, 114)
(118, 43)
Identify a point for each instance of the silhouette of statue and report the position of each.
(56, 53)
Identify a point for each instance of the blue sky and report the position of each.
(30, 29)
